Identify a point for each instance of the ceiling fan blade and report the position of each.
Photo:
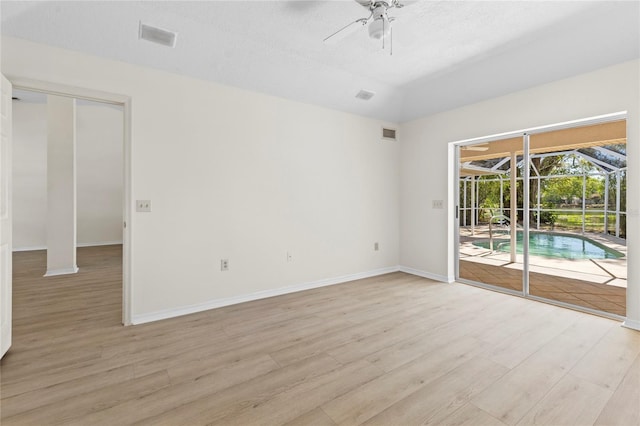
(346, 31)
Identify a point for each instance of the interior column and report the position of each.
(61, 186)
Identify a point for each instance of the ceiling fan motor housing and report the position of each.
(378, 21)
(380, 25)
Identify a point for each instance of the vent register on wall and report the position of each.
(157, 35)
(389, 134)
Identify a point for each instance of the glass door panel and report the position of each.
(577, 250)
(489, 224)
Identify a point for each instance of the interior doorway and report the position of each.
(542, 214)
(115, 198)
(98, 172)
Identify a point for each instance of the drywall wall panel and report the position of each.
(240, 176)
(29, 175)
(426, 243)
(99, 163)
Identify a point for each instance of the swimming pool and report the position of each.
(555, 245)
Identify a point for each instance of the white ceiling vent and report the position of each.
(389, 134)
(157, 35)
(365, 95)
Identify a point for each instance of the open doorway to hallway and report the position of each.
(98, 190)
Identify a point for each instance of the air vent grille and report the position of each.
(365, 95)
(157, 35)
(389, 134)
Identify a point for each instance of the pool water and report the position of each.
(555, 245)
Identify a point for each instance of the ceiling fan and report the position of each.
(379, 22)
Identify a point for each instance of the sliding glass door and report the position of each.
(542, 214)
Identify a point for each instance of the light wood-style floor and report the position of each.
(390, 350)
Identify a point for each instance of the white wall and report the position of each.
(29, 167)
(237, 175)
(98, 170)
(426, 243)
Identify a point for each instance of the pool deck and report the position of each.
(598, 284)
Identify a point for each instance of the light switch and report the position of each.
(437, 204)
(143, 205)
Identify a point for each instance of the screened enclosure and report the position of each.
(582, 190)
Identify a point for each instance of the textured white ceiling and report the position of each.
(445, 53)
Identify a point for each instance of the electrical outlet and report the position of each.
(437, 204)
(224, 264)
(289, 256)
(376, 247)
(143, 205)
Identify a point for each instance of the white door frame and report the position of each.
(6, 220)
(125, 102)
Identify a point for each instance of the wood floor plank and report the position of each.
(361, 404)
(455, 389)
(521, 388)
(44, 395)
(213, 353)
(525, 319)
(198, 408)
(440, 334)
(512, 352)
(315, 417)
(573, 401)
(624, 406)
(82, 404)
(71, 372)
(307, 347)
(278, 409)
(609, 361)
(470, 415)
(182, 393)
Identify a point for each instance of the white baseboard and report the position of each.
(425, 274)
(34, 248)
(63, 271)
(218, 303)
(633, 324)
(94, 244)
(101, 243)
